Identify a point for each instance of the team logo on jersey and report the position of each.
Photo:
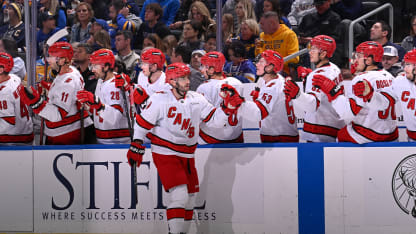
(404, 185)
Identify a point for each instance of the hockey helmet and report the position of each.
(61, 49)
(103, 57)
(214, 59)
(6, 61)
(153, 56)
(325, 43)
(273, 58)
(410, 57)
(371, 48)
(177, 70)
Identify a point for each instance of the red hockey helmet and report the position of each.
(176, 70)
(61, 49)
(274, 58)
(103, 57)
(214, 59)
(325, 43)
(153, 56)
(372, 48)
(410, 57)
(6, 61)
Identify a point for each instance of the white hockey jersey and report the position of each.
(174, 124)
(62, 113)
(278, 120)
(405, 91)
(232, 131)
(321, 121)
(111, 123)
(15, 123)
(374, 120)
(151, 88)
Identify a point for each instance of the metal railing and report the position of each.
(369, 14)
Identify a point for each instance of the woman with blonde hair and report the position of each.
(100, 40)
(249, 32)
(227, 27)
(80, 31)
(244, 10)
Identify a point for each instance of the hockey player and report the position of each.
(106, 105)
(174, 117)
(405, 89)
(232, 132)
(370, 115)
(61, 111)
(15, 123)
(321, 121)
(278, 120)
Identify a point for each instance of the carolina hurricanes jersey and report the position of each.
(175, 123)
(61, 113)
(152, 88)
(230, 132)
(374, 120)
(405, 91)
(321, 121)
(111, 123)
(15, 123)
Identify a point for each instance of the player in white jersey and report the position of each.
(370, 115)
(232, 132)
(321, 121)
(16, 126)
(174, 116)
(61, 110)
(278, 120)
(107, 104)
(405, 89)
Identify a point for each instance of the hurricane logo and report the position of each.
(404, 185)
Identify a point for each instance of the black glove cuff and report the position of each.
(38, 103)
(136, 150)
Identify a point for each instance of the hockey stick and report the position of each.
(134, 164)
(82, 125)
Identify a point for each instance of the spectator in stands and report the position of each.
(80, 31)
(152, 40)
(299, 9)
(100, 40)
(409, 42)
(244, 10)
(196, 77)
(133, 7)
(170, 8)
(277, 37)
(284, 8)
(47, 29)
(81, 60)
(98, 25)
(390, 60)
(227, 27)
(210, 43)
(322, 22)
(184, 54)
(125, 54)
(100, 8)
(152, 24)
(239, 67)
(169, 42)
(191, 35)
(249, 33)
(15, 28)
(229, 8)
(8, 45)
(347, 9)
(381, 33)
(273, 5)
(55, 8)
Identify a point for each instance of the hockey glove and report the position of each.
(231, 99)
(123, 81)
(93, 101)
(140, 95)
(255, 93)
(303, 72)
(363, 89)
(327, 86)
(135, 153)
(45, 85)
(32, 99)
(291, 89)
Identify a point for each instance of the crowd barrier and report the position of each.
(244, 188)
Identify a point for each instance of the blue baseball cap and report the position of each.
(101, 22)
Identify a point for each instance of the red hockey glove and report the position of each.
(123, 81)
(363, 89)
(140, 95)
(303, 72)
(255, 93)
(135, 153)
(46, 85)
(291, 89)
(327, 86)
(231, 99)
(32, 99)
(84, 96)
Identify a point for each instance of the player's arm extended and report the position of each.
(147, 119)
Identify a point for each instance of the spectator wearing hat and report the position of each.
(196, 75)
(57, 11)
(47, 29)
(239, 67)
(390, 60)
(15, 28)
